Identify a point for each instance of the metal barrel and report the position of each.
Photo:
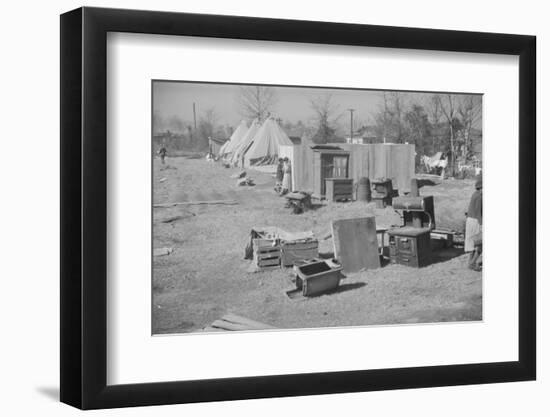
(363, 189)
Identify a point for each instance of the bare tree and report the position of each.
(256, 102)
(469, 111)
(206, 128)
(326, 117)
(449, 108)
(383, 117)
(398, 102)
(433, 108)
(389, 119)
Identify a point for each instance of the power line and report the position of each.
(351, 124)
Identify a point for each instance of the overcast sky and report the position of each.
(293, 103)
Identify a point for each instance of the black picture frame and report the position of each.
(84, 207)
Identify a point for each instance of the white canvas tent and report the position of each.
(265, 147)
(233, 142)
(244, 143)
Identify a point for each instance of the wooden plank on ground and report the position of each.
(247, 322)
(226, 325)
(356, 244)
(212, 329)
(188, 203)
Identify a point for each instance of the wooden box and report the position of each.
(317, 277)
(291, 252)
(339, 189)
(266, 253)
(410, 246)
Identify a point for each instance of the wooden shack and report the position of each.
(311, 165)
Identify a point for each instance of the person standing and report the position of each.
(279, 176)
(286, 176)
(474, 221)
(162, 153)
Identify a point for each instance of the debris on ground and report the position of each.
(163, 179)
(245, 181)
(212, 237)
(240, 174)
(299, 201)
(162, 251)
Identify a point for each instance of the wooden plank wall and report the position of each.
(395, 161)
(301, 159)
(402, 167)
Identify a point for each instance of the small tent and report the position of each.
(245, 142)
(234, 140)
(265, 147)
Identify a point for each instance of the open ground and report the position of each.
(206, 274)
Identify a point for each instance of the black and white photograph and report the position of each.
(294, 207)
(243, 208)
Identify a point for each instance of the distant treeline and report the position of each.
(176, 134)
(438, 122)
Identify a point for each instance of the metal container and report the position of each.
(317, 277)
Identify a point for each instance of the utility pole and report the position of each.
(194, 116)
(351, 125)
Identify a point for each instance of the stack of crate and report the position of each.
(267, 253)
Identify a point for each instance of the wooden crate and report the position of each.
(267, 253)
(339, 189)
(297, 251)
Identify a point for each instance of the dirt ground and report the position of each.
(206, 275)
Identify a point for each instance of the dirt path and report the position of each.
(206, 275)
